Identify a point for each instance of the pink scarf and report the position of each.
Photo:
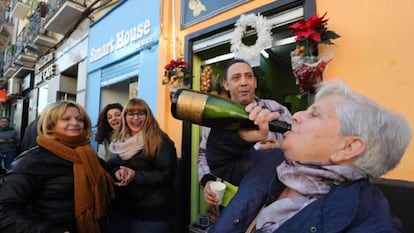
(129, 147)
(312, 180)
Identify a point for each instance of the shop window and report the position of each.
(60, 95)
(119, 92)
(274, 74)
(42, 98)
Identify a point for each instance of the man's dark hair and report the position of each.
(234, 61)
(4, 117)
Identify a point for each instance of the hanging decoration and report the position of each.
(176, 73)
(306, 65)
(264, 37)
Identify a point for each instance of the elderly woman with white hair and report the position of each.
(333, 151)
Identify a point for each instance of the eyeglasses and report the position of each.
(138, 114)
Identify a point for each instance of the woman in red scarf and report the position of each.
(60, 185)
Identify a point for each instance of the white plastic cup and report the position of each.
(218, 188)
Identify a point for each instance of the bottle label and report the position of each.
(190, 106)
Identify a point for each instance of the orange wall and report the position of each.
(170, 125)
(372, 55)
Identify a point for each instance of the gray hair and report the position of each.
(385, 133)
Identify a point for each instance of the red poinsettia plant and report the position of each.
(311, 32)
(307, 66)
(176, 72)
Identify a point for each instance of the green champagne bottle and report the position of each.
(215, 112)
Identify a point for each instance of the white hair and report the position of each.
(386, 134)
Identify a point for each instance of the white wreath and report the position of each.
(264, 37)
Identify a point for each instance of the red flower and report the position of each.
(311, 32)
(175, 70)
(307, 66)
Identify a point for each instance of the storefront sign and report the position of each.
(145, 42)
(48, 72)
(44, 60)
(44, 68)
(195, 11)
(122, 39)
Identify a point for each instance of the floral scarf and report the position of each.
(129, 147)
(311, 180)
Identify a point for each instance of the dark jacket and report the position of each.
(221, 156)
(8, 133)
(36, 195)
(29, 137)
(151, 196)
(256, 170)
(357, 207)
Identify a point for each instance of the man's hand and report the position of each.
(209, 196)
(268, 144)
(261, 117)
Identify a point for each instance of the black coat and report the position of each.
(152, 195)
(29, 137)
(37, 194)
(229, 156)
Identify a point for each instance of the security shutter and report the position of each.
(120, 71)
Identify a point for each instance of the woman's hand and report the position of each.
(209, 196)
(125, 175)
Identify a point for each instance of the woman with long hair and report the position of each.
(145, 167)
(109, 119)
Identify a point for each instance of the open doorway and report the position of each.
(119, 92)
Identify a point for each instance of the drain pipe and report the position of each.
(174, 31)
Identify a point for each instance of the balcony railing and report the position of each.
(6, 29)
(22, 40)
(23, 58)
(9, 67)
(32, 27)
(37, 35)
(6, 21)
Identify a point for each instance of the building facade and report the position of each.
(123, 57)
(205, 30)
(95, 60)
(44, 46)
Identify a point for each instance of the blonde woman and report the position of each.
(145, 166)
(60, 185)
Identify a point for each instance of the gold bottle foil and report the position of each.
(190, 106)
